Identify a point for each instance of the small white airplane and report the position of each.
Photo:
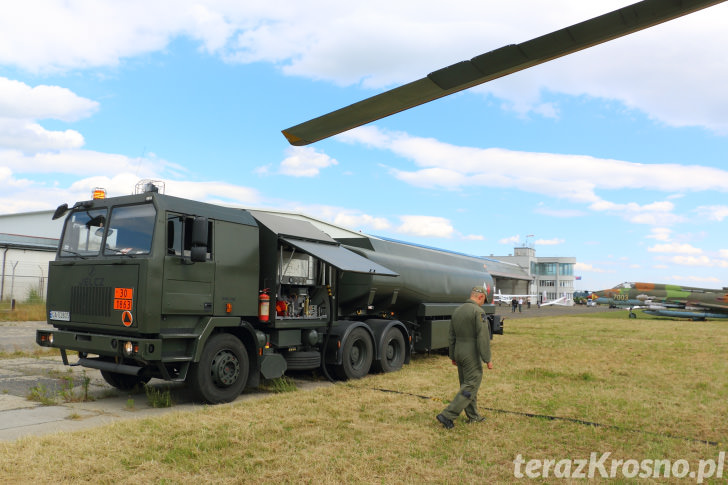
(501, 298)
(563, 301)
(508, 299)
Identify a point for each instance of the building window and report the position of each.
(566, 269)
(544, 269)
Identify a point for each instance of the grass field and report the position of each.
(658, 387)
(23, 312)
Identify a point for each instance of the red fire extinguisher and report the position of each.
(264, 305)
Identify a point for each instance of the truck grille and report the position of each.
(94, 301)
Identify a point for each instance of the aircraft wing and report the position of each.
(686, 314)
(494, 64)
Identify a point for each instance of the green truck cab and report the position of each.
(153, 286)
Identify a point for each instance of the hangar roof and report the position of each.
(28, 242)
(506, 270)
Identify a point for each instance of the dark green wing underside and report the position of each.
(494, 64)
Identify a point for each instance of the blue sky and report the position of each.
(617, 155)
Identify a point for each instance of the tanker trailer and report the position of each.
(378, 299)
(430, 285)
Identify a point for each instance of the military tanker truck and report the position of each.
(153, 286)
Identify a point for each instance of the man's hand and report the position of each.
(490, 365)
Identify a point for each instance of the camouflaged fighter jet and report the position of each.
(666, 300)
(495, 64)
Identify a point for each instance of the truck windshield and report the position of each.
(130, 230)
(83, 233)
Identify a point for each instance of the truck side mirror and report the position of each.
(60, 211)
(198, 252)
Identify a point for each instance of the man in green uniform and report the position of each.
(469, 348)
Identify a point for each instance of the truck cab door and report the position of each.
(187, 286)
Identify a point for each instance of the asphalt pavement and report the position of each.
(82, 399)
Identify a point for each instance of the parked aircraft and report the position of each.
(504, 298)
(508, 299)
(494, 64)
(666, 300)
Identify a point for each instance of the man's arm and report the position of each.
(451, 343)
(483, 337)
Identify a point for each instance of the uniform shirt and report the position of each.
(469, 337)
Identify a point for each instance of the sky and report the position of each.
(616, 155)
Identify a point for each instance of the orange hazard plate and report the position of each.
(120, 304)
(124, 293)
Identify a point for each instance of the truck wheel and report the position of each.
(123, 382)
(356, 355)
(393, 352)
(222, 371)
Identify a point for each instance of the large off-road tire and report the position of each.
(356, 355)
(123, 382)
(222, 371)
(392, 352)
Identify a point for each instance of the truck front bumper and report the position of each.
(142, 349)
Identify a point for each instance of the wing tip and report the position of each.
(294, 140)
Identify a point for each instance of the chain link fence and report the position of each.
(24, 278)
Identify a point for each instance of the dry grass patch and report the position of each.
(23, 312)
(647, 379)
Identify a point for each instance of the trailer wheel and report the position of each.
(123, 382)
(356, 355)
(393, 352)
(222, 371)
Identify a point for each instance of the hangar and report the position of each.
(28, 241)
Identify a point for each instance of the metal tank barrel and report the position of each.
(426, 275)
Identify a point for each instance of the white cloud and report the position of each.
(713, 212)
(660, 233)
(696, 279)
(67, 35)
(701, 260)
(584, 267)
(25, 195)
(674, 248)
(22, 105)
(29, 137)
(425, 226)
(79, 162)
(512, 240)
(560, 213)
(349, 218)
(549, 242)
(305, 162)
(451, 167)
(380, 43)
(20, 101)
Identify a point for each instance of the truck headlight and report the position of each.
(130, 348)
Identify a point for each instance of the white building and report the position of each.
(28, 242)
(552, 277)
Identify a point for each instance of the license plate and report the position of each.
(62, 316)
